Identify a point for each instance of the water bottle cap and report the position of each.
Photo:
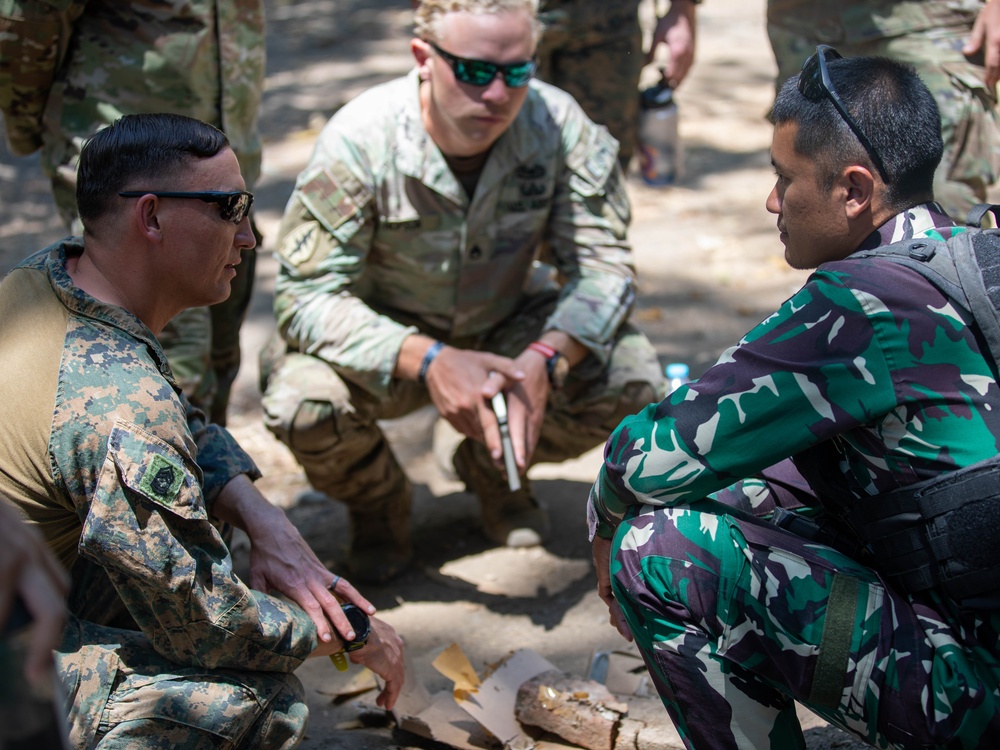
(677, 370)
(657, 96)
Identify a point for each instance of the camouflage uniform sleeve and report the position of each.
(814, 369)
(220, 457)
(34, 35)
(588, 230)
(147, 525)
(323, 246)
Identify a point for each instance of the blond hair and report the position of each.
(428, 15)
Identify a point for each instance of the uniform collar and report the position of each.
(923, 220)
(81, 303)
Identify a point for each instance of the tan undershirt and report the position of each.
(31, 345)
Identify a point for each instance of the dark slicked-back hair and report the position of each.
(139, 152)
(893, 108)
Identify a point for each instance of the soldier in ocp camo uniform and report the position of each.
(866, 380)
(407, 278)
(200, 58)
(933, 36)
(165, 647)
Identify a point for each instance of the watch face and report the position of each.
(362, 627)
(558, 370)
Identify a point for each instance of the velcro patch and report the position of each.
(300, 244)
(162, 478)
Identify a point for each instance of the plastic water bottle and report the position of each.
(677, 375)
(660, 153)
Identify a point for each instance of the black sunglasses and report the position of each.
(815, 84)
(482, 72)
(233, 206)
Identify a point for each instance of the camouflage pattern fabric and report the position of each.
(200, 58)
(380, 241)
(331, 425)
(152, 703)
(34, 37)
(928, 34)
(873, 367)
(593, 50)
(106, 458)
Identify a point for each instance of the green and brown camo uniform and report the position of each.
(593, 50)
(871, 373)
(929, 35)
(200, 58)
(380, 241)
(101, 453)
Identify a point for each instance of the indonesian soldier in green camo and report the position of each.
(953, 44)
(97, 60)
(593, 50)
(870, 382)
(166, 646)
(407, 279)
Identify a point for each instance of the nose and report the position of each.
(245, 238)
(496, 90)
(773, 203)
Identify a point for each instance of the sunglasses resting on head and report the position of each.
(815, 85)
(481, 72)
(233, 206)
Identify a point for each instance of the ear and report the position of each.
(421, 53)
(145, 217)
(859, 186)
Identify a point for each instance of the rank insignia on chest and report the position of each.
(531, 172)
(162, 478)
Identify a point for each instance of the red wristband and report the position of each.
(544, 349)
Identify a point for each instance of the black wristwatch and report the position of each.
(361, 624)
(555, 363)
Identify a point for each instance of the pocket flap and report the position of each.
(154, 469)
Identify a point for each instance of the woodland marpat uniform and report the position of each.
(869, 370)
(74, 67)
(102, 454)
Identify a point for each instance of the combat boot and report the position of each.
(380, 536)
(513, 519)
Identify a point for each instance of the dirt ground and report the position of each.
(710, 267)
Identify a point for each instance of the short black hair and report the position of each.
(141, 152)
(894, 109)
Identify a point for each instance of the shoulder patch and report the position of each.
(162, 478)
(593, 161)
(299, 245)
(334, 195)
(601, 159)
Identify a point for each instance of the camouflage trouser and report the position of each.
(122, 694)
(330, 424)
(969, 119)
(593, 50)
(736, 618)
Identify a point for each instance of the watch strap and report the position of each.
(339, 661)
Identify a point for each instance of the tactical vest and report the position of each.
(944, 533)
